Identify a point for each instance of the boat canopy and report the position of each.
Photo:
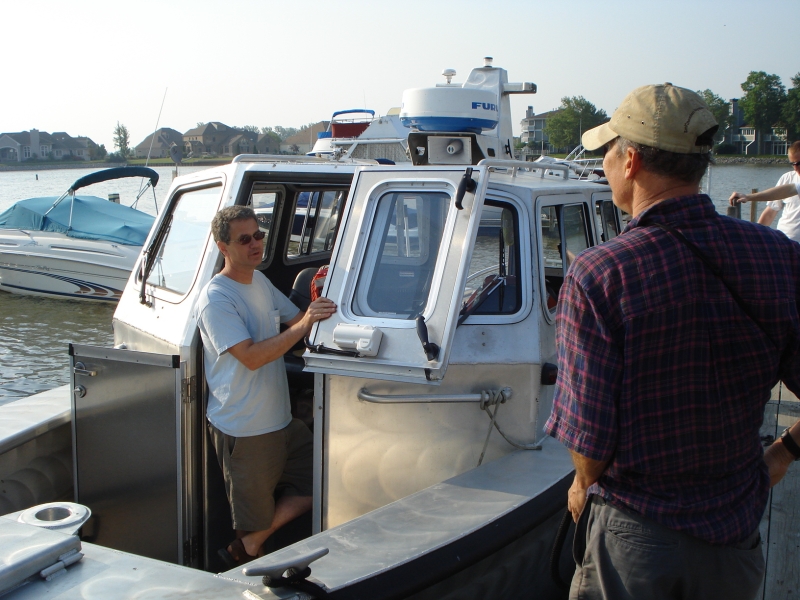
(115, 173)
(93, 218)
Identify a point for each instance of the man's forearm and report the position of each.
(767, 217)
(254, 355)
(587, 470)
(778, 458)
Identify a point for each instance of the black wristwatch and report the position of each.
(788, 442)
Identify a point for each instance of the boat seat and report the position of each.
(301, 289)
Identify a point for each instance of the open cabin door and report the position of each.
(398, 274)
(133, 432)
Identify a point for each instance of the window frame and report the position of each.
(524, 280)
(559, 202)
(310, 255)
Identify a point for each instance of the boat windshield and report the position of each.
(401, 255)
(189, 225)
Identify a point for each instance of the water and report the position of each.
(35, 332)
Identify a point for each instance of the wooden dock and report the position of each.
(780, 527)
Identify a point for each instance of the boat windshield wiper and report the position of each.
(479, 296)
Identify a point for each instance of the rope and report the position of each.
(496, 398)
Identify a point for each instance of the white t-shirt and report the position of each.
(242, 402)
(789, 222)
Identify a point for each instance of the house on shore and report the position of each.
(303, 141)
(746, 139)
(35, 144)
(217, 139)
(533, 132)
(161, 140)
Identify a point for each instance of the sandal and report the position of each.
(236, 556)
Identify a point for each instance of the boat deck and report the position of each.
(780, 527)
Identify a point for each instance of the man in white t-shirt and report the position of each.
(260, 448)
(785, 195)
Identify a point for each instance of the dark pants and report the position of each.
(628, 556)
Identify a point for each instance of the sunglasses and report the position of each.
(795, 164)
(246, 238)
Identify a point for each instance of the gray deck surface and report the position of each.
(780, 527)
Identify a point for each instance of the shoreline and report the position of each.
(751, 160)
(105, 165)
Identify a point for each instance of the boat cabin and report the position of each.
(426, 391)
(444, 331)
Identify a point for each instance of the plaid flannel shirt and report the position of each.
(662, 373)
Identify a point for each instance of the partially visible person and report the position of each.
(262, 450)
(653, 398)
(785, 195)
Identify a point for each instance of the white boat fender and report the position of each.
(66, 517)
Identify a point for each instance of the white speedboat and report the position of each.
(357, 133)
(427, 391)
(73, 247)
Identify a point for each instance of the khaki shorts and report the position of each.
(258, 468)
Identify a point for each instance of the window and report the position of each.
(185, 232)
(493, 283)
(606, 219)
(26, 152)
(316, 215)
(401, 254)
(263, 200)
(565, 233)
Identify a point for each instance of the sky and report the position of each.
(82, 66)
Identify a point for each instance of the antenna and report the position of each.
(449, 74)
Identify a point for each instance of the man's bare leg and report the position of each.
(287, 508)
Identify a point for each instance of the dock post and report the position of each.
(735, 211)
(754, 208)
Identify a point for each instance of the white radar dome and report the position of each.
(450, 109)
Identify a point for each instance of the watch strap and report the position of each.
(788, 442)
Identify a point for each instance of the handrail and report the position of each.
(293, 158)
(515, 165)
(484, 396)
(352, 110)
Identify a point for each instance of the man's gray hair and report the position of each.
(221, 223)
(688, 168)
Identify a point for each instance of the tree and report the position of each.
(251, 128)
(97, 152)
(200, 123)
(764, 96)
(575, 116)
(121, 140)
(720, 109)
(285, 132)
(791, 110)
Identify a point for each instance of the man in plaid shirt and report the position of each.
(666, 366)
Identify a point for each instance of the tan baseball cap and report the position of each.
(660, 116)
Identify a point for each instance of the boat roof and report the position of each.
(92, 218)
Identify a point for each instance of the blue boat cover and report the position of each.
(93, 218)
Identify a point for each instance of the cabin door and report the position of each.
(398, 274)
(132, 437)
